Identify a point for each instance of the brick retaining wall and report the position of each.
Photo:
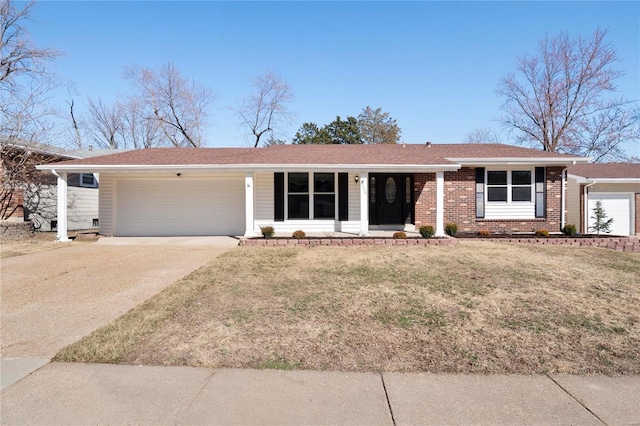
(626, 244)
(307, 242)
(16, 230)
(620, 243)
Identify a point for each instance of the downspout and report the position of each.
(586, 206)
(563, 196)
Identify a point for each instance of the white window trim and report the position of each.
(311, 194)
(510, 186)
(95, 181)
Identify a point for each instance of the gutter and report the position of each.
(95, 168)
(519, 160)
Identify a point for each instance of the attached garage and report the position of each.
(180, 206)
(618, 206)
(615, 185)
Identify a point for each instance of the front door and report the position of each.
(390, 199)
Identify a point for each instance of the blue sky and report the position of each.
(433, 66)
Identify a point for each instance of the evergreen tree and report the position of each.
(600, 217)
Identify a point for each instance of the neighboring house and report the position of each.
(30, 194)
(325, 188)
(615, 185)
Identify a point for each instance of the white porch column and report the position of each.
(440, 204)
(364, 204)
(248, 206)
(62, 207)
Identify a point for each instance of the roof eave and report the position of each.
(560, 161)
(97, 168)
(584, 179)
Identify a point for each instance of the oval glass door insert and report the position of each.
(390, 190)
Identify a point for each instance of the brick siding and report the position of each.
(460, 208)
(12, 204)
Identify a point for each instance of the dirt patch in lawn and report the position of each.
(40, 241)
(479, 307)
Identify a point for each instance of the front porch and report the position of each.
(362, 203)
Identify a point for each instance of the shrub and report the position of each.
(569, 229)
(427, 231)
(451, 229)
(484, 233)
(299, 234)
(542, 233)
(267, 231)
(400, 235)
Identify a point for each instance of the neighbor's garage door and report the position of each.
(180, 206)
(616, 206)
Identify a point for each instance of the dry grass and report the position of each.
(479, 307)
(40, 241)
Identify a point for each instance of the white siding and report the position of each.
(353, 224)
(263, 202)
(509, 210)
(82, 207)
(42, 204)
(106, 204)
(573, 202)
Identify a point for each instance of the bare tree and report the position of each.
(105, 124)
(25, 81)
(482, 135)
(268, 107)
(138, 130)
(178, 104)
(559, 97)
(74, 124)
(378, 127)
(25, 78)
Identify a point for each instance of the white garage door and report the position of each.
(180, 206)
(616, 206)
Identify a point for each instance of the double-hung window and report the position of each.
(298, 196)
(324, 196)
(521, 185)
(510, 193)
(509, 186)
(319, 189)
(497, 185)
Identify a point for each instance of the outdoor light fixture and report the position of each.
(357, 179)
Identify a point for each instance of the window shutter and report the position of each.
(480, 192)
(541, 190)
(343, 196)
(278, 197)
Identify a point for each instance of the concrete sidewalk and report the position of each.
(61, 393)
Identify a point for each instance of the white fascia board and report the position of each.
(582, 179)
(389, 168)
(516, 160)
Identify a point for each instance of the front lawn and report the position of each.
(478, 307)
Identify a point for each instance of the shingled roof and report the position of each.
(446, 155)
(606, 170)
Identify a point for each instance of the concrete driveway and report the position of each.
(53, 298)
